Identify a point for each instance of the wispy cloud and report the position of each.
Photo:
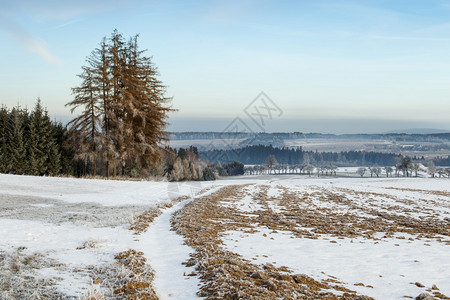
(27, 41)
(408, 38)
(68, 23)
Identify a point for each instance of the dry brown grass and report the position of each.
(299, 211)
(137, 286)
(315, 214)
(226, 275)
(143, 221)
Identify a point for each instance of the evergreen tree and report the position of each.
(4, 138)
(16, 146)
(43, 149)
(54, 159)
(65, 151)
(53, 164)
(39, 135)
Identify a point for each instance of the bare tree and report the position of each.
(361, 171)
(431, 169)
(415, 167)
(376, 171)
(388, 170)
(309, 169)
(406, 165)
(87, 125)
(271, 162)
(440, 171)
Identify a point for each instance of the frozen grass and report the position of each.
(227, 275)
(18, 277)
(94, 294)
(378, 238)
(58, 212)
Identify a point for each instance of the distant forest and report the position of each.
(443, 162)
(301, 135)
(257, 155)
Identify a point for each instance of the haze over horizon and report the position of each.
(311, 126)
(330, 66)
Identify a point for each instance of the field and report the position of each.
(268, 237)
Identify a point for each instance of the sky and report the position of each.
(332, 66)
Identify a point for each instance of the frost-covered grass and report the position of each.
(74, 228)
(19, 278)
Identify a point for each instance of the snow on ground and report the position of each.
(64, 244)
(57, 217)
(80, 224)
(104, 192)
(166, 257)
(165, 251)
(391, 267)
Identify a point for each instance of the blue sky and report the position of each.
(331, 66)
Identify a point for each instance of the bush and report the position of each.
(234, 168)
(208, 174)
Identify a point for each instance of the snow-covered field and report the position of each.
(386, 238)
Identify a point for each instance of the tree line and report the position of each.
(257, 155)
(407, 167)
(442, 161)
(185, 164)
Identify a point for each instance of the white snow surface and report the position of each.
(31, 225)
(389, 268)
(392, 270)
(104, 192)
(167, 254)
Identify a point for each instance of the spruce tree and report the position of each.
(66, 152)
(53, 163)
(4, 138)
(16, 147)
(39, 139)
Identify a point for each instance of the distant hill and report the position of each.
(418, 131)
